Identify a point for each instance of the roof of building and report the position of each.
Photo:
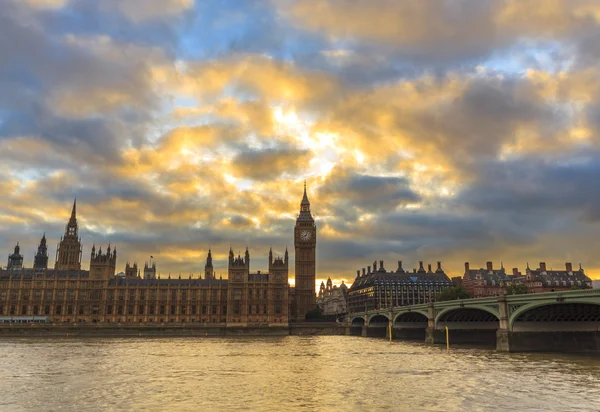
(559, 277)
(56, 273)
(119, 281)
(380, 276)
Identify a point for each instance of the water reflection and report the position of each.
(287, 373)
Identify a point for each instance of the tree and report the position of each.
(314, 314)
(519, 289)
(452, 293)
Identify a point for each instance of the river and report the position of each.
(326, 373)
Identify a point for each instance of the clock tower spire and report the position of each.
(305, 242)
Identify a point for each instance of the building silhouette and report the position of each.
(305, 242)
(69, 294)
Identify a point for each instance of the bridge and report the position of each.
(556, 321)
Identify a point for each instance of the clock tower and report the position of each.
(305, 242)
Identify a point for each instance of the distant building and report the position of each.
(457, 281)
(596, 284)
(489, 281)
(378, 288)
(333, 300)
(493, 282)
(68, 294)
(544, 280)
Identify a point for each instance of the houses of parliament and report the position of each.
(67, 293)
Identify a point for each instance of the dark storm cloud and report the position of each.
(366, 191)
(538, 186)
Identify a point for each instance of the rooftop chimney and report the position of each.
(569, 267)
(439, 268)
(489, 266)
(368, 269)
(400, 266)
(429, 268)
(466, 267)
(381, 264)
(515, 272)
(543, 266)
(363, 271)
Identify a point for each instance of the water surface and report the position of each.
(299, 373)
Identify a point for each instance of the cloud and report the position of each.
(427, 131)
(270, 164)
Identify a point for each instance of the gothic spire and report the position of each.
(209, 258)
(305, 197)
(74, 211)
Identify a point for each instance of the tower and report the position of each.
(15, 260)
(102, 265)
(40, 260)
(68, 252)
(237, 291)
(150, 270)
(131, 271)
(209, 272)
(305, 242)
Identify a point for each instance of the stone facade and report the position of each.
(378, 288)
(68, 252)
(68, 294)
(333, 300)
(305, 241)
(493, 282)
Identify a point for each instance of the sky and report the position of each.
(442, 130)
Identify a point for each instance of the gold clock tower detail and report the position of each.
(305, 241)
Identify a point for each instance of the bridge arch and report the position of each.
(412, 316)
(471, 313)
(378, 319)
(579, 311)
(357, 321)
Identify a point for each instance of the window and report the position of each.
(109, 310)
(278, 309)
(141, 310)
(69, 310)
(58, 309)
(130, 310)
(182, 311)
(214, 309)
(172, 310)
(81, 309)
(46, 310)
(204, 309)
(236, 307)
(120, 309)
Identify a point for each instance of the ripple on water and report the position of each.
(324, 373)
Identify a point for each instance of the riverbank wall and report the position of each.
(164, 330)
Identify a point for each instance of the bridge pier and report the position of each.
(556, 341)
(364, 331)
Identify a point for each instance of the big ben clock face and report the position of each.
(305, 235)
